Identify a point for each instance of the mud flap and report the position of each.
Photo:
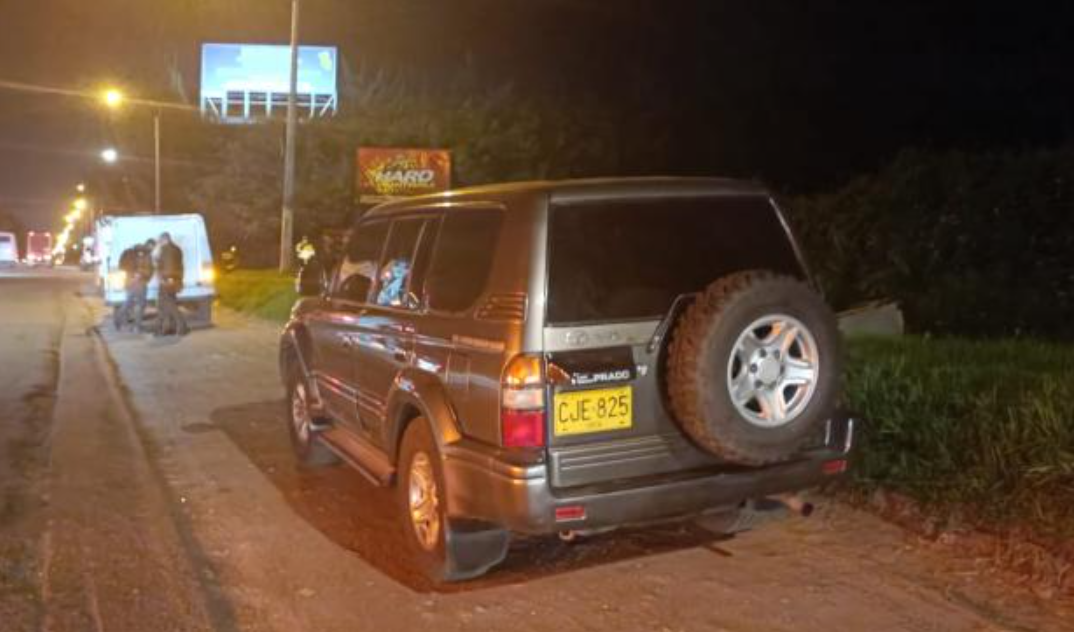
(472, 548)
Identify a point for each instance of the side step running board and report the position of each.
(361, 455)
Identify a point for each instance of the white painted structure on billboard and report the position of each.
(245, 82)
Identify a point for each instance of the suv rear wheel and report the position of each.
(443, 550)
(754, 367)
(420, 493)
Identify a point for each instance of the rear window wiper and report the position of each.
(679, 304)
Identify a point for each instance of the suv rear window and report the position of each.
(628, 259)
(463, 259)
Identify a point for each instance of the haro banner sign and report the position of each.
(394, 172)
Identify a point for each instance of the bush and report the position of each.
(262, 293)
(969, 244)
(987, 426)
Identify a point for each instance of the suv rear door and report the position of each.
(616, 267)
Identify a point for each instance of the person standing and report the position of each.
(138, 278)
(170, 278)
(128, 265)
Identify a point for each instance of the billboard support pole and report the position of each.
(156, 160)
(287, 216)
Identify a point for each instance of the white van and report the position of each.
(114, 234)
(9, 250)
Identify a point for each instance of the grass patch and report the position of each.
(984, 427)
(262, 293)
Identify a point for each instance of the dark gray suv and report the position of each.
(567, 357)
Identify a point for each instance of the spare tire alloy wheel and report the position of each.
(773, 369)
(753, 367)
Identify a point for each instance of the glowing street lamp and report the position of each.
(81, 204)
(110, 155)
(112, 98)
(81, 187)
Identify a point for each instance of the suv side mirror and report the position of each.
(310, 280)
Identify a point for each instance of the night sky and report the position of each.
(802, 94)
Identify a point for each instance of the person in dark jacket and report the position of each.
(122, 314)
(170, 277)
(137, 264)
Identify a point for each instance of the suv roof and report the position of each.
(580, 190)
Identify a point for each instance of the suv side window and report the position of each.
(359, 267)
(395, 273)
(463, 258)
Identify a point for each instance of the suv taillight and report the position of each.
(522, 393)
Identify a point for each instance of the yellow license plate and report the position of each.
(600, 410)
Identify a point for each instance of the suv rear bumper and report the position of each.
(521, 498)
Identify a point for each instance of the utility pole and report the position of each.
(287, 216)
(156, 160)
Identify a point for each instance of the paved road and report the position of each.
(174, 504)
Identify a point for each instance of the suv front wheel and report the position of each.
(302, 426)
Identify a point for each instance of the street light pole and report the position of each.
(287, 216)
(156, 160)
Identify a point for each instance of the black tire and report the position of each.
(699, 360)
(308, 449)
(430, 561)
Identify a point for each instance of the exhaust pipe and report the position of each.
(574, 535)
(795, 504)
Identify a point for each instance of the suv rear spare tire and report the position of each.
(754, 366)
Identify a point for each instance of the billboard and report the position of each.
(394, 172)
(245, 81)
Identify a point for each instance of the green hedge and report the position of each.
(984, 426)
(969, 244)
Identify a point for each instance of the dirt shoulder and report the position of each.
(314, 550)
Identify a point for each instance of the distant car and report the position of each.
(9, 250)
(39, 248)
(114, 234)
(568, 357)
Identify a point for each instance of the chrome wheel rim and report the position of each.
(424, 502)
(300, 414)
(773, 371)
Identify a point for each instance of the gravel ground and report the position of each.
(175, 504)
